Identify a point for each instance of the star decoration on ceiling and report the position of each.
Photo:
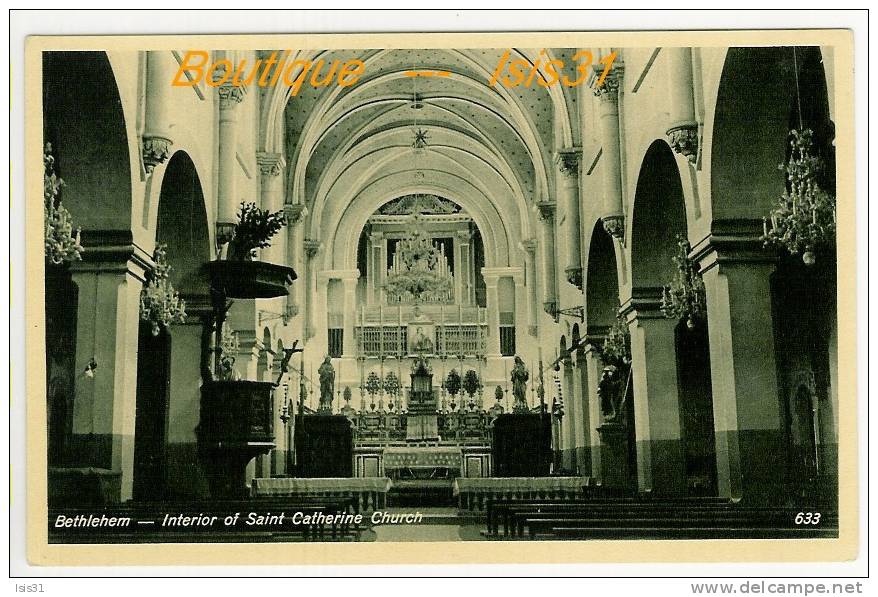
(420, 141)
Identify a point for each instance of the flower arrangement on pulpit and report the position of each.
(61, 242)
(803, 220)
(254, 230)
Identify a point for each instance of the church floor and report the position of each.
(437, 524)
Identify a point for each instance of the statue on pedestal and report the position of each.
(327, 385)
(520, 376)
(609, 392)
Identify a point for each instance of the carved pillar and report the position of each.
(349, 285)
(493, 305)
(156, 141)
(529, 247)
(683, 130)
(612, 214)
(376, 267)
(312, 247)
(271, 197)
(593, 366)
(227, 199)
(295, 214)
(550, 285)
(107, 328)
(747, 411)
(657, 427)
(568, 186)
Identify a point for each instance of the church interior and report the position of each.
(564, 308)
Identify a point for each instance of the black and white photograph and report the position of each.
(507, 294)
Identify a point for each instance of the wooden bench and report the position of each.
(649, 518)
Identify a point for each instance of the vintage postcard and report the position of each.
(441, 298)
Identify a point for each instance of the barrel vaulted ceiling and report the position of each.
(491, 149)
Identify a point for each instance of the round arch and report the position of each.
(490, 224)
(601, 282)
(658, 217)
(82, 101)
(182, 225)
(746, 141)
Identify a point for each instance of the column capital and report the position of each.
(529, 245)
(683, 139)
(293, 212)
(270, 164)
(609, 89)
(567, 160)
(312, 247)
(464, 235)
(154, 149)
(376, 236)
(230, 95)
(546, 210)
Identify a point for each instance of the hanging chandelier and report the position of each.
(420, 270)
(804, 218)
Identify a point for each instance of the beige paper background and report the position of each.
(39, 552)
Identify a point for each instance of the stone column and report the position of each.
(529, 246)
(660, 463)
(612, 213)
(585, 420)
(520, 316)
(312, 247)
(463, 270)
(683, 130)
(271, 197)
(569, 424)
(747, 410)
(349, 284)
(108, 320)
(550, 285)
(568, 190)
(493, 304)
(227, 167)
(593, 367)
(156, 142)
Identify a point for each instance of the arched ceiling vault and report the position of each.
(487, 143)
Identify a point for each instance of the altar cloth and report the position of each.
(422, 457)
(290, 486)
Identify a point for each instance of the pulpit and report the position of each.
(324, 446)
(522, 445)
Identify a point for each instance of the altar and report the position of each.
(414, 462)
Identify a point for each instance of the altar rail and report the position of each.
(453, 339)
(368, 494)
(475, 494)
